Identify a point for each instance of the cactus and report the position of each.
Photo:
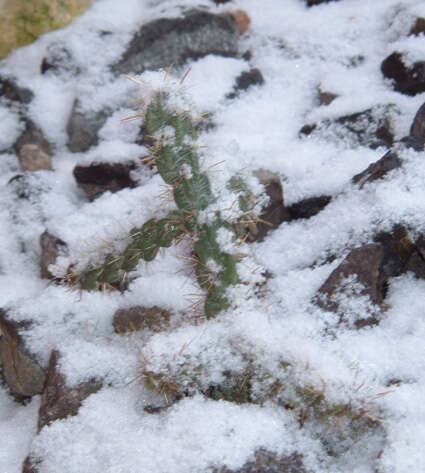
(177, 162)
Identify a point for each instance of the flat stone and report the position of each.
(372, 127)
(378, 169)
(83, 127)
(141, 318)
(32, 158)
(59, 400)
(265, 461)
(365, 264)
(21, 372)
(326, 98)
(51, 247)
(98, 178)
(171, 41)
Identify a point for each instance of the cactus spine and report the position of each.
(177, 161)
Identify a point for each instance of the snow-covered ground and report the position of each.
(298, 51)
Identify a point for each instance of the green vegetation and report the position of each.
(23, 21)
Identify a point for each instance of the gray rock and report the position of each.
(141, 318)
(265, 461)
(83, 127)
(21, 372)
(171, 41)
(372, 128)
(10, 91)
(60, 400)
(50, 249)
(59, 61)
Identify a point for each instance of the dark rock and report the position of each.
(50, 249)
(59, 60)
(9, 90)
(308, 207)
(245, 80)
(218, 2)
(21, 372)
(141, 318)
(60, 400)
(397, 249)
(275, 213)
(31, 465)
(418, 28)
(311, 3)
(269, 462)
(407, 80)
(33, 136)
(420, 245)
(378, 169)
(83, 127)
(362, 266)
(326, 98)
(416, 265)
(372, 128)
(101, 177)
(417, 130)
(168, 41)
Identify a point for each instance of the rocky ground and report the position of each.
(311, 359)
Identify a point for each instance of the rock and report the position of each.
(407, 80)
(141, 318)
(101, 177)
(171, 41)
(32, 135)
(397, 249)
(32, 158)
(275, 213)
(378, 169)
(50, 249)
(418, 28)
(59, 400)
(326, 98)
(242, 20)
(308, 207)
(371, 127)
(10, 91)
(31, 465)
(58, 60)
(83, 127)
(265, 461)
(311, 3)
(358, 276)
(417, 130)
(245, 80)
(21, 372)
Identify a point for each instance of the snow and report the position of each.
(335, 47)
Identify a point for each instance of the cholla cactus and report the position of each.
(174, 153)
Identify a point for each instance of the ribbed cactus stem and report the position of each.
(174, 136)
